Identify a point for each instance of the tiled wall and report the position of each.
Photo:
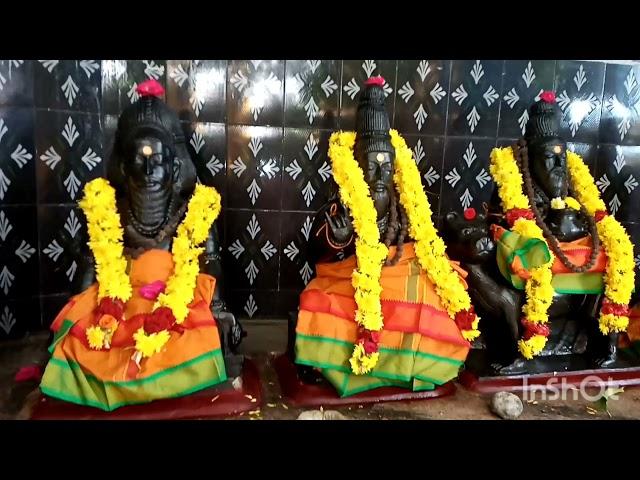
(258, 131)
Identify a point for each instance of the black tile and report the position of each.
(312, 93)
(17, 156)
(121, 77)
(18, 252)
(252, 251)
(579, 90)
(467, 181)
(255, 92)
(207, 145)
(68, 85)
(524, 81)
(421, 96)
(253, 303)
(620, 122)
(306, 179)
(288, 302)
(475, 91)
(295, 268)
(16, 83)
(428, 153)
(50, 306)
(354, 74)
(505, 142)
(618, 175)
(196, 89)
(254, 167)
(62, 241)
(69, 152)
(17, 317)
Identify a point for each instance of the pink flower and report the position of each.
(379, 81)
(150, 88)
(548, 97)
(153, 289)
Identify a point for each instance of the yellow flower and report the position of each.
(360, 362)
(610, 323)
(532, 347)
(572, 203)
(95, 337)
(558, 204)
(147, 345)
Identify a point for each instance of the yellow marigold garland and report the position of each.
(538, 288)
(429, 247)
(371, 252)
(105, 241)
(619, 274)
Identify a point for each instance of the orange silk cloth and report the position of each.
(198, 335)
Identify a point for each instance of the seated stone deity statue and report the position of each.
(386, 307)
(556, 245)
(149, 322)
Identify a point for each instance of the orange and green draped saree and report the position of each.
(108, 379)
(420, 347)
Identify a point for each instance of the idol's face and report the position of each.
(148, 165)
(378, 174)
(548, 165)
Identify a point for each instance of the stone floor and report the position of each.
(266, 338)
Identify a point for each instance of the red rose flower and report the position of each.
(469, 213)
(515, 213)
(370, 347)
(150, 88)
(548, 97)
(379, 81)
(531, 329)
(600, 214)
(464, 319)
(618, 309)
(160, 319)
(111, 306)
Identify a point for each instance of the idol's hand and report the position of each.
(339, 225)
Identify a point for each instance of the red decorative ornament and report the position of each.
(464, 319)
(111, 306)
(600, 214)
(160, 319)
(515, 213)
(531, 329)
(379, 81)
(469, 213)
(618, 309)
(548, 97)
(150, 88)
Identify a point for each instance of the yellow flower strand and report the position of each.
(204, 207)
(429, 247)
(105, 240)
(619, 276)
(370, 251)
(538, 288)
